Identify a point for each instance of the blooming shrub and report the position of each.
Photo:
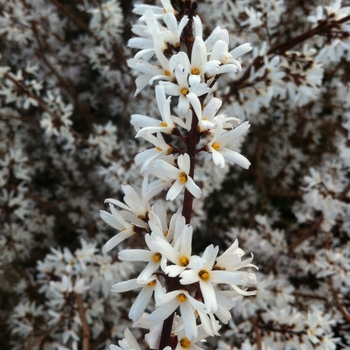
(216, 133)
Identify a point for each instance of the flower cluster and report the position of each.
(72, 73)
(193, 290)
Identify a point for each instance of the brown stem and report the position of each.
(41, 104)
(70, 15)
(304, 234)
(41, 338)
(86, 328)
(280, 49)
(66, 84)
(257, 333)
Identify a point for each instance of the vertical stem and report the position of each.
(191, 141)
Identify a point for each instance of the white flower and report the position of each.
(154, 257)
(148, 287)
(180, 253)
(151, 125)
(218, 150)
(127, 220)
(180, 175)
(199, 64)
(161, 151)
(128, 343)
(207, 276)
(187, 93)
(188, 306)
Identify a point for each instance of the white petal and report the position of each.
(209, 296)
(188, 316)
(218, 158)
(233, 134)
(194, 100)
(174, 190)
(166, 169)
(236, 158)
(135, 255)
(184, 163)
(140, 303)
(193, 188)
(163, 312)
(126, 286)
(110, 220)
(241, 50)
(114, 241)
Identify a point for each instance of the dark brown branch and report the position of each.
(66, 85)
(305, 234)
(75, 19)
(281, 49)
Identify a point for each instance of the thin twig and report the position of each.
(67, 85)
(86, 328)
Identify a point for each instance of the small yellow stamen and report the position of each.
(124, 229)
(152, 283)
(204, 275)
(185, 343)
(159, 149)
(167, 73)
(157, 257)
(163, 124)
(195, 71)
(184, 91)
(215, 145)
(183, 177)
(166, 233)
(183, 261)
(169, 150)
(182, 297)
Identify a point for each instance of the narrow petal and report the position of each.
(218, 158)
(114, 241)
(188, 316)
(184, 162)
(125, 286)
(209, 296)
(236, 158)
(135, 255)
(241, 50)
(140, 303)
(163, 312)
(233, 134)
(174, 190)
(110, 220)
(195, 103)
(193, 188)
(228, 277)
(166, 169)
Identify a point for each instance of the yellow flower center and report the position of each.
(185, 343)
(215, 145)
(183, 177)
(166, 233)
(152, 283)
(185, 91)
(163, 124)
(204, 275)
(195, 71)
(167, 73)
(157, 257)
(183, 261)
(159, 149)
(182, 297)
